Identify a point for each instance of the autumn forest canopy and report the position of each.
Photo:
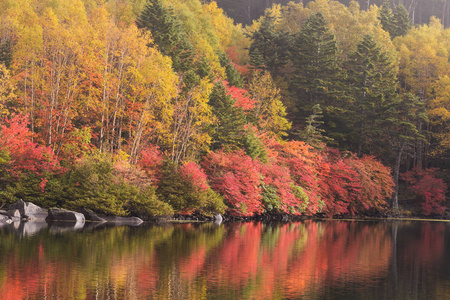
(155, 107)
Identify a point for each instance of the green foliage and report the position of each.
(233, 76)
(312, 134)
(229, 131)
(397, 23)
(254, 147)
(184, 196)
(401, 20)
(270, 199)
(318, 77)
(6, 53)
(387, 17)
(167, 33)
(145, 205)
(300, 194)
(372, 79)
(270, 47)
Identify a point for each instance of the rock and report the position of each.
(89, 215)
(28, 210)
(4, 218)
(218, 219)
(133, 221)
(59, 214)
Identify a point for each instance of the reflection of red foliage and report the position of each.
(429, 189)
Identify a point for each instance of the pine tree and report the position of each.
(6, 53)
(372, 80)
(167, 34)
(387, 18)
(312, 133)
(402, 22)
(318, 77)
(229, 130)
(270, 47)
(233, 76)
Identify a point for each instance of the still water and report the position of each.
(304, 260)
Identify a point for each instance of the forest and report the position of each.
(158, 107)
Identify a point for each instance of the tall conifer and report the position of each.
(372, 84)
(318, 77)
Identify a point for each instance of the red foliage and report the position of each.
(376, 181)
(151, 160)
(233, 55)
(279, 177)
(429, 189)
(26, 156)
(242, 100)
(339, 187)
(237, 177)
(191, 172)
(302, 162)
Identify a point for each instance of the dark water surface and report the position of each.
(304, 260)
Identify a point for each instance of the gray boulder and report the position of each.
(59, 214)
(218, 219)
(89, 215)
(27, 210)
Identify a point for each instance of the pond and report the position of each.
(301, 260)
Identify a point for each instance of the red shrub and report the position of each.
(151, 160)
(376, 181)
(26, 156)
(237, 177)
(191, 172)
(240, 95)
(429, 189)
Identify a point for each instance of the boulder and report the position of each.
(218, 219)
(59, 214)
(133, 221)
(89, 215)
(27, 210)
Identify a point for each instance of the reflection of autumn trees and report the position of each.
(250, 260)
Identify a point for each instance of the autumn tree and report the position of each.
(269, 111)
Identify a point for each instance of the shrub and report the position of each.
(430, 191)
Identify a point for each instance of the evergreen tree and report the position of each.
(400, 132)
(318, 77)
(387, 18)
(402, 22)
(229, 130)
(167, 34)
(6, 53)
(312, 133)
(372, 81)
(233, 76)
(270, 48)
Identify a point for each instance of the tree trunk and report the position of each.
(396, 175)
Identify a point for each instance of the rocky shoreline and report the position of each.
(27, 212)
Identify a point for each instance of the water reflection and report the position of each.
(306, 260)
